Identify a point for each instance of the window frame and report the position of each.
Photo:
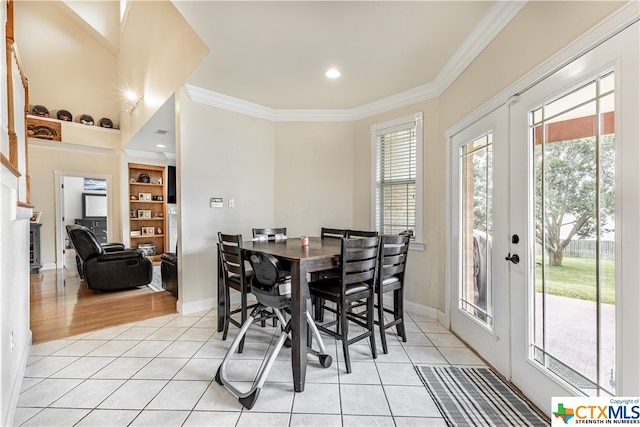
(377, 129)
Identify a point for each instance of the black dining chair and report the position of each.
(361, 233)
(357, 281)
(277, 233)
(235, 276)
(332, 233)
(326, 233)
(391, 271)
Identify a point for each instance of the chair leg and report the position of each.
(344, 332)
(381, 325)
(398, 313)
(371, 325)
(227, 313)
(243, 317)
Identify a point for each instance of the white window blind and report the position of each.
(396, 174)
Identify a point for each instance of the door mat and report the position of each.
(477, 397)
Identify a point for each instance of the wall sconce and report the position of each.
(132, 101)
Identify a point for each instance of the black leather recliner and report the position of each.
(111, 270)
(169, 272)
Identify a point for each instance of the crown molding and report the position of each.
(493, 23)
(152, 155)
(490, 26)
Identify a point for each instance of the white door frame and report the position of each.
(60, 231)
(627, 351)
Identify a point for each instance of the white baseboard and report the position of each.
(14, 393)
(196, 306)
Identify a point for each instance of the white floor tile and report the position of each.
(88, 395)
(179, 395)
(199, 369)
(262, 419)
(398, 374)
(147, 349)
(48, 366)
(53, 417)
(318, 399)
(410, 401)
(160, 369)
(212, 419)
(363, 400)
(153, 418)
(108, 418)
(136, 333)
(123, 368)
(366, 421)
(80, 348)
(361, 373)
(84, 367)
(134, 394)
(46, 392)
(113, 348)
(461, 356)
(315, 420)
(181, 349)
(420, 422)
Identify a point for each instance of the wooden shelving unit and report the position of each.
(147, 214)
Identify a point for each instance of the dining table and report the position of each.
(318, 255)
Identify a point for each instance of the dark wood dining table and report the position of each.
(319, 255)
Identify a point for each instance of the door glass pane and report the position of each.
(475, 295)
(574, 293)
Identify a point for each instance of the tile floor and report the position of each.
(160, 372)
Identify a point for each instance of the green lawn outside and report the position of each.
(576, 278)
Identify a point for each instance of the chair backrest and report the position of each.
(267, 269)
(359, 260)
(393, 256)
(84, 242)
(230, 249)
(332, 233)
(270, 233)
(361, 233)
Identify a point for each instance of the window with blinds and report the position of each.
(396, 176)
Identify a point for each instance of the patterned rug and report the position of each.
(156, 282)
(477, 397)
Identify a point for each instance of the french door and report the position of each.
(562, 194)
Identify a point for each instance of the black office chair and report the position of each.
(271, 285)
(391, 269)
(357, 281)
(279, 233)
(234, 276)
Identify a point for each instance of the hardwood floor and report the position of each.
(62, 305)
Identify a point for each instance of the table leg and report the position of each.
(221, 295)
(299, 295)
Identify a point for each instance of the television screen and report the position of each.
(94, 205)
(171, 184)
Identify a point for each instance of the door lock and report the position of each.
(513, 258)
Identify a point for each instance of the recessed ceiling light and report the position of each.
(332, 73)
(160, 145)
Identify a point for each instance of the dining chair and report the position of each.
(277, 233)
(235, 276)
(391, 271)
(361, 233)
(358, 274)
(332, 233)
(326, 233)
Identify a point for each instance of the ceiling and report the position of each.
(275, 54)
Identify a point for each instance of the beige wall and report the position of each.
(425, 269)
(313, 176)
(43, 162)
(539, 31)
(158, 51)
(220, 154)
(67, 68)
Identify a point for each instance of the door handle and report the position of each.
(513, 258)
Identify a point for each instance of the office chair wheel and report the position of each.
(325, 360)
(218, 380)
(250, 400)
